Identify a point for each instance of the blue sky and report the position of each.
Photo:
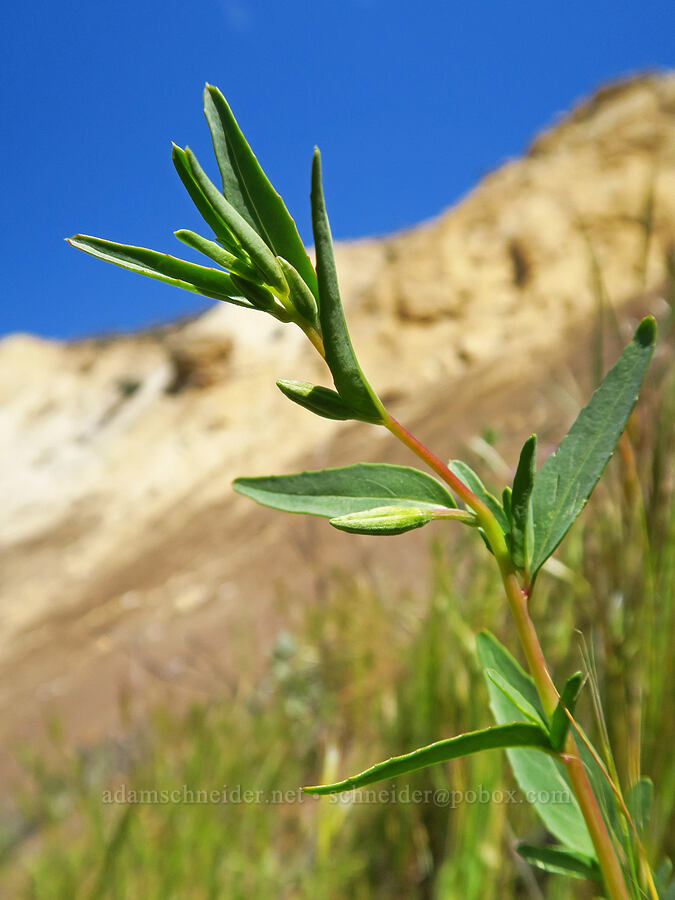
(411, 103)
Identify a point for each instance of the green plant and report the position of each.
(264, 267)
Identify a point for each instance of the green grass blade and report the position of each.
(338, 492)
(540, 777)
(248, 189)
(113, 848)
(198, 279)
(250, 240)
(559, 861)
(349, 380)
(520, 535)
(319, 400)
(560, 723)
(567, 478)
(219, 228)
(215, 252)
(496, 738)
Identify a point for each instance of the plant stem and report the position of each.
(604, 849)
(439, 467)
(518, 599)
(315, 339)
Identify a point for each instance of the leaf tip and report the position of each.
(238, 485)
(645, 334)
(483, 637)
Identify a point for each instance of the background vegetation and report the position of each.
(362, 674)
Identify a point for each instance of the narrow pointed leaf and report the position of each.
(198, 279)
(300, 295)
(316, 399)
(219, 228)
(520, 535)
(496, 657)
(467, 475)
(560, 723)
(538, 776)
(506, 503)
(559, 861)
(250, 240)
(260, 298)
(215, 252)
(567, 478)
(233, 189)
(496, 738)
(383, 520)
(248, 189)
(338, 492)
(349, 380)
(639, 802)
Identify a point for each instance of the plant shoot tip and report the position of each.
(645, 335)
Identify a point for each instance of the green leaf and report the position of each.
(219, 228)
(319, 400)
(261, 298)
(560, 723)
(496, 738)
(300, 295)
(338, 492)
(496, 657)
(540, 777)
(248, 189)
(349, 380)
(524, 706)
(567, 478)
(250, 240)
(214, 251)
(639, 802)
(559, 861)
(383, 520)
(520, 535)
(467, 475)
(664, 886)
(198, 279)
(506, 503)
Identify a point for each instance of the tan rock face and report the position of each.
(119, 528)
